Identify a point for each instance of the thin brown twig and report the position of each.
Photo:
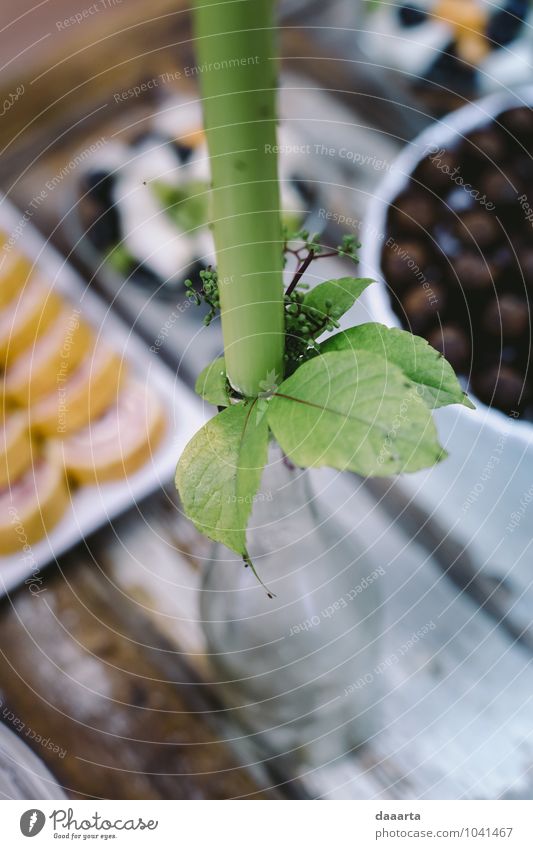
(304, 265)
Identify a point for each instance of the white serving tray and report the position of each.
(91, 507)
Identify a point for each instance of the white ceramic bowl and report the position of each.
(483, 493)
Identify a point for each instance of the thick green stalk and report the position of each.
(237, 69)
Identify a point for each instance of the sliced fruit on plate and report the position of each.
(15, 447)
(32, 506)
(26, 318)
(117, 444)
(42, 367)
(80, 397)
(15, 269)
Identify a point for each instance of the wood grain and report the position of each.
(82, 667)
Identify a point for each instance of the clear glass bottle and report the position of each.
(296, 669)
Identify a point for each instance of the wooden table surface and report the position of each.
(87, 664)
(107, 664)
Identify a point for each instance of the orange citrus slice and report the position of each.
(40, 369)
(15, 269)
(117, 444)
(32, 506)
(81, 396)
(15, 447)
(26, 318)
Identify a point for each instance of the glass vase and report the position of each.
(295, 668)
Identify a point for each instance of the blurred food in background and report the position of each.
(451, 50)
(117, 443)
(458, 257)
(144, 203)
(70, 413)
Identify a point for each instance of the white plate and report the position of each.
(91, 507)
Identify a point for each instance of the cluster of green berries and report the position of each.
(208, 293)
(349, 247)
(303, 326)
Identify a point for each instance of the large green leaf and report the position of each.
(212, 383)
(354, 410)
(335, 297)
(433, 376)
(219, 473)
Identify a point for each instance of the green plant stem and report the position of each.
(238, 77)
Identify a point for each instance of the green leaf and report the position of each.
(212, 384)
(121, 259)
(186, 205)
(342, 294)
(432, 375)
(354, 410)
(219, 473)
